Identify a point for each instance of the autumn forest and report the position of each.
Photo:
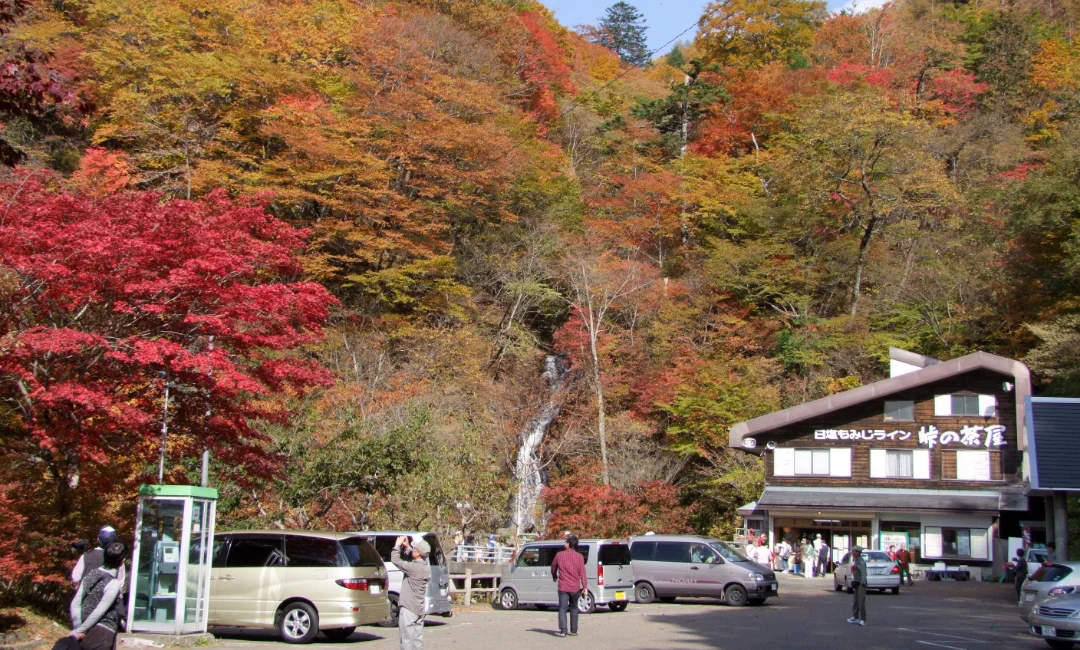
(389, 257)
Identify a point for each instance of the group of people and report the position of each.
(903, 560)
(97, 609)
(811, 559)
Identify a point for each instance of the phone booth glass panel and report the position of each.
(170, 577)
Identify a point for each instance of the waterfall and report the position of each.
(527, 470)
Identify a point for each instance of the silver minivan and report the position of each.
(667, 567)
(528, 580)
(300, 582)
(437, 600)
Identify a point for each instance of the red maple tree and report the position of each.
(104, 300)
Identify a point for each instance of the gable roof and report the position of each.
(921, 377)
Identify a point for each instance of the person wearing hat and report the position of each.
(858, 585)
(417, 576)
(93, 559)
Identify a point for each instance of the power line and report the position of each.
(579, 102)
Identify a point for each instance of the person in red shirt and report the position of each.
(568, 569)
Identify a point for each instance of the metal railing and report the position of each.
(498, 555)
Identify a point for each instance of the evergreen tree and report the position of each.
(622, 30)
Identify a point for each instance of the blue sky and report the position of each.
(665, 18)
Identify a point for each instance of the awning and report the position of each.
(899, 499)
(749, 510)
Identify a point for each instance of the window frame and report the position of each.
(814, 451)
(967, 398)
(910, 454)
(910, 405)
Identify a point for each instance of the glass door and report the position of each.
(157, 579)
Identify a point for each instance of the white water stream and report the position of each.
(528, 469)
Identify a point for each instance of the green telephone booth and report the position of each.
(170, 576)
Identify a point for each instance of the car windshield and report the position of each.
(876, 556)
(727, 552)
(1050, 573)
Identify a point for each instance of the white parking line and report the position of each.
(939, 645)
(948, 636)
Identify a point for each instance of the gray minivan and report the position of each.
(667, 567)
(437, 599)
(528, 580)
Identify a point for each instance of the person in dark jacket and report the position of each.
(95, 618)
(1021, 573)
(92, 559)
(568, 569)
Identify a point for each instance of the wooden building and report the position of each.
(932, 458)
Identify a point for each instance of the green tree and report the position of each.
(750, 33)
(622, 30)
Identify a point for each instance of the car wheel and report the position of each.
(848, 587)
(508, 599)
(835, 584)
(394, 611)
(339, 633)
(668, 599)
(618, 607)
(645, 593)
(895, 591)
(1059, 645)
(586, 604)
(299, 623)
(735, 595)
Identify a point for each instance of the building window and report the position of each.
(960, 543)
(901, 411)
(970, 465)
(965, 404)
(901, 464)
(956, 542)
(811, 462)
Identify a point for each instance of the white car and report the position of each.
(881, 572)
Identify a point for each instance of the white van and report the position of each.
(607, 565)
(300, 582)
(437, 600)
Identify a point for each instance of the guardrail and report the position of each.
(474, 584)
(498, 555)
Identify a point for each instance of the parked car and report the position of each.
(1035, 557)
(528, 581)
(300, 582)
(1050, 579)
(667, 567)
(1057, 619)
(437, 599)
(881, 572)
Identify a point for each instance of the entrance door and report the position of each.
(706, 572)
(672, 568)
(252, 583)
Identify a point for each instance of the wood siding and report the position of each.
(1005, 462)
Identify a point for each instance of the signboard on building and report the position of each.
(929, 436)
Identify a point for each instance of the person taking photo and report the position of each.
(412, 559)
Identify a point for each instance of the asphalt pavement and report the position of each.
(808, 614)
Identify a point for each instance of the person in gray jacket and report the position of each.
(417, 576)
(95, 617)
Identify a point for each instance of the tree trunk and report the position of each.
(860, 262)
(600, 415)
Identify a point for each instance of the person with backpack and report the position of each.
(95, 615)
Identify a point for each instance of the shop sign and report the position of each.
(968, 436)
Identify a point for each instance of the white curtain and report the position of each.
(901, 464)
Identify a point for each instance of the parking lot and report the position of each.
(961, 615)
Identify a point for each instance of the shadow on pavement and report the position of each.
(272, 636)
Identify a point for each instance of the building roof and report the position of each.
(776, 497)
(933, 372)
(1054, 443)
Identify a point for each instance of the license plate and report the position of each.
(1029, 597)
(620, 595)
(877, 572)
(374, 589)
(773, 587)
(1048, 631)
